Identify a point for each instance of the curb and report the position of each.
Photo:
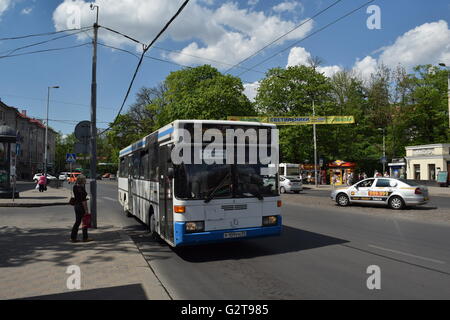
(32, 205)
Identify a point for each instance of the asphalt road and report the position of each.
(323, 253)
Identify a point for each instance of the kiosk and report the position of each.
(341, 169)
(8, 138)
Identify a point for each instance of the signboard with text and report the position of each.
(297, 121)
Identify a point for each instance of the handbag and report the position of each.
(86, 221)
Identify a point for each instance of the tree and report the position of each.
(203, 93)
(291, 92)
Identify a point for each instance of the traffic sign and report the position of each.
(71, 157)
(83, 131)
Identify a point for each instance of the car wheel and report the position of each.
(282, 190)
(396, 203)
(342, 200)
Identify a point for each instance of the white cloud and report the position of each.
(428, 43)
(226, 33)
(251, 89)
(4, 5)
(26, 11)
(288, 6)
(299, 56)
(365, 67)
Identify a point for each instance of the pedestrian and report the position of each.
(364, 175)
(42, 182)
(386, 174)
(81, 208)
(375, 174)
(334, 180)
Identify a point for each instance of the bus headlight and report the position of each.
(195, 226)
(270, 220)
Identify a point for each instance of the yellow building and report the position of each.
(424, 162)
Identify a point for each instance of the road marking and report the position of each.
(407, 254)
(108, 198)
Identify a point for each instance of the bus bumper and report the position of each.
(182, 238)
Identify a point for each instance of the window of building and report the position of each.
(417, 172)
(432, 172)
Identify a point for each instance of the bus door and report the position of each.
(130, 184)
(165, 193)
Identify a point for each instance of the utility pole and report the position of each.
(46, 131)
(93, 183)
(315, 146)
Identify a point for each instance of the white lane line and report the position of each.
(108, 198)
(407, 254)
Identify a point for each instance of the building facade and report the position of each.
(425, 161)
(29, 148)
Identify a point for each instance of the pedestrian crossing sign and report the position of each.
(71, 157)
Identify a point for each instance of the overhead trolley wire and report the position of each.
(282, 36)
(145, 49)
(308, 36)
(42, 34)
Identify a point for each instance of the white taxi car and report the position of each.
(395, 193)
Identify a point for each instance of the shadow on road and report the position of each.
(128, 292)
(291, 240)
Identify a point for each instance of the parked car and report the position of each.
(63, 176)
(37, 175)
(72, 177)
(290, 184)
(106, 175)
(395, 193)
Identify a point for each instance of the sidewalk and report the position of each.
(433, 191)
(34, 198)
(35, 253)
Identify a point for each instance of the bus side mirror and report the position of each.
(170, 173)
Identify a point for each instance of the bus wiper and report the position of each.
(220, 185)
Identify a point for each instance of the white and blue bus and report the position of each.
(192, 202)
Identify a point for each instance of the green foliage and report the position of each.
(411, 109)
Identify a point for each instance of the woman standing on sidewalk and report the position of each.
(42, 182)
(81, 208)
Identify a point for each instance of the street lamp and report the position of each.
(46, 130)
(448, 88)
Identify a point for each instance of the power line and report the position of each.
(137, 56)
(146, 48)
(45, 50)
(282, 36)
(54, 101)
(308, 36)
(41, 34)
(10, 52)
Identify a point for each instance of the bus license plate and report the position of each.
(231, 235)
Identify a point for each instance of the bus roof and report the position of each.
(168, 129)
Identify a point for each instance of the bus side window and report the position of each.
(143, 169)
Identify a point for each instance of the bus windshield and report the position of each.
(199, 181)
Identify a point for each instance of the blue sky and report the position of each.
(412, 32)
